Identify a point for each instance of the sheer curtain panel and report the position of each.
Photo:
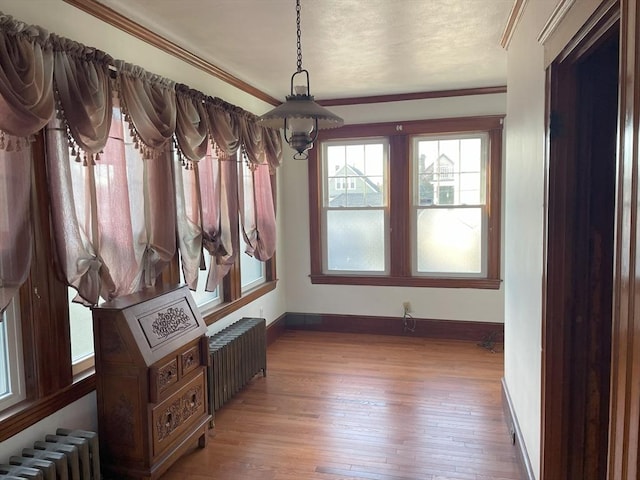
(26, 105)
(117, 199)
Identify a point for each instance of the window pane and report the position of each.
(449, 240)
(81, 325)
(204, 299)
(355, 175)
(355, 240)
(12, 388)
(5, 385)
(251, 270)
(450, 171)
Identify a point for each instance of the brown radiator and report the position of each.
(237, 353)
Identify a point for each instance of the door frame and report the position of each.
(563, 379)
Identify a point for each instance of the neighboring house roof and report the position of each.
(350, 171)
(442, 160)
(357, 200)
(372, 196)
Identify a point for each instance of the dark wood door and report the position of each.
(582, 165)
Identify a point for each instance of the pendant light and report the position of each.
(300, 116)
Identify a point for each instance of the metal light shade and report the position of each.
(300, 106)
(300, 118)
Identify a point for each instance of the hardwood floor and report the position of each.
(354, 406)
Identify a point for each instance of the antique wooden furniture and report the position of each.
(151, 361)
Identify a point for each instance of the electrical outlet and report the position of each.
(406, 307)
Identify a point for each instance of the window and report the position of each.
(355, 219)
(448, 216)
(423, 208)
(12, 388)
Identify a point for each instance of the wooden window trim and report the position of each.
(399, 134)
(49, 381)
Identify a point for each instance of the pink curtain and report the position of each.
(15, 227)
(26, 74)
(224, 127)
(189, 218)
(84, 93)
(192, 137)
(115, 215)
(272, 143)
(149, 104)
(97, 221)
(192, 126)
(217, 211)
(26, 105)
(257, 212)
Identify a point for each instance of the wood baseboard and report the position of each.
(275, 329)
(517, 439)
(491, 333)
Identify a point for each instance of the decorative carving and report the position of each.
(167, 375)
(172, 321)
(189, 360)
(179, 411)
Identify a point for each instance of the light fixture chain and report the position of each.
(299, 44)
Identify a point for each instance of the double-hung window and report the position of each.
(354, 206)
(407, 204)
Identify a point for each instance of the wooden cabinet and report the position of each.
(151, 358)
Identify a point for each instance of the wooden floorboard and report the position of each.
(338, 406)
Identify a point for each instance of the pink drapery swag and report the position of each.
(257, 212)
(41, 74)
(149, 104)
(26, 105)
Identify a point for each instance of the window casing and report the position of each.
(451, 202)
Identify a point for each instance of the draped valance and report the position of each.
(83, 94)
(42, 72)
(26, 77)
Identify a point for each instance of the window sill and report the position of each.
(386, 281)
(28, 412)
(247, 297)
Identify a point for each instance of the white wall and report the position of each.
(435, 303)
(80, 415)
(524, 169)
(61, 18)
(524, 213)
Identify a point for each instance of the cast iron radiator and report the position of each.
(237, 353)
(67, 455)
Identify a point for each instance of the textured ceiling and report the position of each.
(351, 48)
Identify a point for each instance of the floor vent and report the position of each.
(237, 354)
(67, 455)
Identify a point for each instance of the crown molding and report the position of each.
(136, 30)
(401, 97)
(512, 22)
(561, 10)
